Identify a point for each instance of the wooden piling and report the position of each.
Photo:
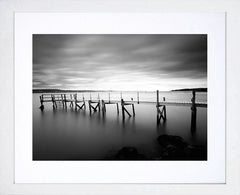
(92, 107)
(193, 112)
(84, 104)
(103, 106)
(161, 110)
(62, 98)
(41, 99)
(75, 100)
(133, 109)
(138, 97)
(98, 105)
(41, 102)
(164, 109)
(53, 101)
(71, 101)
(122, 104)
(89, 104)
(65, 100)
(80, 107)
(79, 101)
(127, 112)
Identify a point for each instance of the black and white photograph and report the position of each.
(119, 97)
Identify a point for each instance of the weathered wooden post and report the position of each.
(41, 102)
(79, 101)
(89, 103)
(122, 104)
(103, 106)
(98, 105)
(157, 106)
(161, 114)
(84, 103)
(194, 112)
(71, 100)
(164, 109)
(53, 101)
(62, 98)
(75, 97)
(138, 97)
(124, 109)
(75, 100)
(133, 109)
(65, 100)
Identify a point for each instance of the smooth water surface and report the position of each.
(67, 134)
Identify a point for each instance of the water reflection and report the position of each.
(161, 127)
(69, 134)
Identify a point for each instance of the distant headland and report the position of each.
(82, 91)
(192, 89)
(66, 91)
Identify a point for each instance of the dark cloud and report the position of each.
(77, 61)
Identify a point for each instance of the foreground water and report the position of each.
(66, 134)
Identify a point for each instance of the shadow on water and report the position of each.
(161, 127)
(104, 119)
(128, 124)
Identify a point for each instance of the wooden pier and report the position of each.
(94, 105)
(104, 103)
(97, 105)
(161, 110)
(109, 102)
(79, 104)
(57, 98)
(124, 104)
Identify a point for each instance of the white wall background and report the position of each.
(7, 9)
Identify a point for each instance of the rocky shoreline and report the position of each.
(170, 147)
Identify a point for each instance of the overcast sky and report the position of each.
(119, 62)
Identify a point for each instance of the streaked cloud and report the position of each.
(119, 62)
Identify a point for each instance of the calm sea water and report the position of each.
(66, 134)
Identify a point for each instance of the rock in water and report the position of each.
(129, 153)
(177, 141)
(175, 148)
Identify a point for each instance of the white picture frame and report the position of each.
(7, 10)
(210, 171)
